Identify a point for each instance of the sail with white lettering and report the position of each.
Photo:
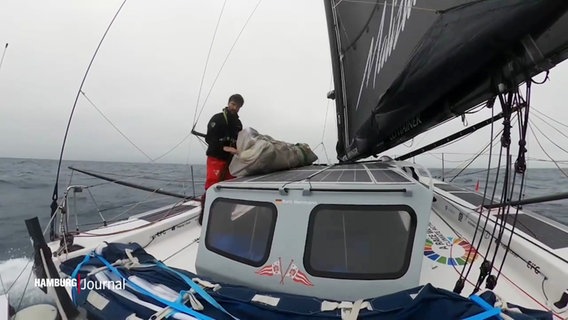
(404, 66)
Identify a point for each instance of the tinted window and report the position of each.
(359, 242)
(241, 230)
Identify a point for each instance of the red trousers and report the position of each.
(217, 170)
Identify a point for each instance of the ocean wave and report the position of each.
(18, 281)
(6, 182)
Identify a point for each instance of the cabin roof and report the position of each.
(363, 174)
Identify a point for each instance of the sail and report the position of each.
(404, 66)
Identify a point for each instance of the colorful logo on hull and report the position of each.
(448, 250)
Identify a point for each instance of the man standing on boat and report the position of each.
(222, 131)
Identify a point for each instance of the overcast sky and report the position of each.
(147, 77)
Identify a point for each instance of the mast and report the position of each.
(338, 93)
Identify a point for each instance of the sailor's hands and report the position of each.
(230, 150)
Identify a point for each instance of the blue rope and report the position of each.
(490, 310)
(177, 305)
(196, 287)
(74, 276)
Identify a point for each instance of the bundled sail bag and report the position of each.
(260, 153)
(156, 291)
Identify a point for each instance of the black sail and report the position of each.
(404, 66)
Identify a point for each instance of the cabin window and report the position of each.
(359, 242)
(241, 230)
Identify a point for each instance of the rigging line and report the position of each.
(542, 148)
(115, 127)
(325, 152)
(3, 54)
(494, 190)
(545, 115)
(207, 63)
(514, 222)
(325, 123)
(458, 153)
(502, 224)
(24, 291)
(145, 200)
(54, 197)
(520, 162)
(227, 57)
(553, 127)
(180, 250)
(547, 138)
(451, 161)
(474, 110)
(128, 184)
(459, 285)
(505, 198)
(478, 154)
(139, 176)
(326, 113)
(18, 277)
(173, 148)
(505, 143)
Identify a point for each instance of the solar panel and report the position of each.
(472, 198)
(290, 175)
(351, 166)
(356, 172)
(379, 165)
(550, 235)
(387, 176)
(447, 187)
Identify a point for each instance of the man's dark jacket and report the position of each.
(222, 131)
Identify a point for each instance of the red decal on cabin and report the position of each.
(271, 269)
(293, 272)
(298, 276)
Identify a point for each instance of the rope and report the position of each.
(55, 196)
(3, 54)
(460, 283)
(116, 128)
(227, 58)
(207, 63)
(24, 291)
(547, 138)
(543, 114)
(542, 148)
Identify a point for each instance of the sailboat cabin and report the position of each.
(306, 230)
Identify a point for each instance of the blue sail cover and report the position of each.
(426, 303)
(404, 66)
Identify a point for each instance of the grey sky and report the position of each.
(146, 78)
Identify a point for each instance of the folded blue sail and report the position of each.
(425, 302)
